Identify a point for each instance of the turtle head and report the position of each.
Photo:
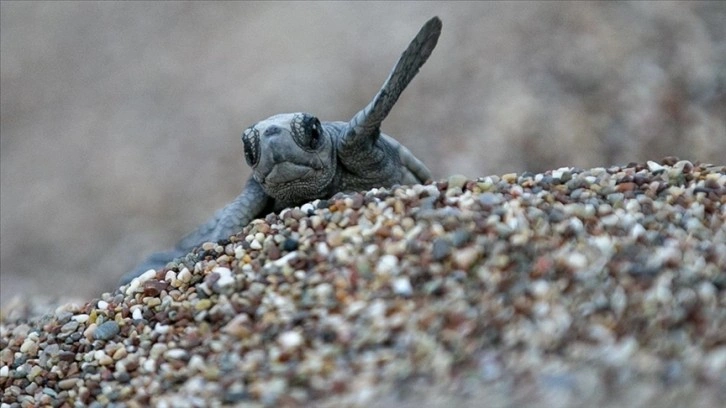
(291, 155)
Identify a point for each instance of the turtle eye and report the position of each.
(307, 131)
(251, 141)
(315, 134)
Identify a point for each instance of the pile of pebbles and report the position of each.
(604, 286)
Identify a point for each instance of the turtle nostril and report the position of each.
(271, 130)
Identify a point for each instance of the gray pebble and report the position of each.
(441, 249)
(490, 200)
(106, 330)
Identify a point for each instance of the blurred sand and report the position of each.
(120, 122)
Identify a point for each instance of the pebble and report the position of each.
(457, 181)
(185, 275)
(176, 354)
(441, 249)
(106, 330)
(402, 286)
(387, 265)
(569, 287)
(290, 340)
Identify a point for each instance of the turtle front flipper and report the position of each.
(364, 128)
(253, 202)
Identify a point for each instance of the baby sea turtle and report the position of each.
(296, 158)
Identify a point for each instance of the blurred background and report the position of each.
(121, 122)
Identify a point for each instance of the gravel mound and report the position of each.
(603, 286)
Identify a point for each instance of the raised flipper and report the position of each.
(250, 204)
(364, 128)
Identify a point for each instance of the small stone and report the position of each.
(102, 358)
(457, 181)
(240, 326)
(441, 249)
(289, 245)
(29, 347)
(106, 330)
(465, 258)
(69, 328)
(387, 265)
(308, 208)
(290, 340)
(324, 291)
(50, 392)
(81, 318)
(655, 168)
(577, 261)
(154, 288)
(67, 384)
(176, 354)
(224, 281)
(34, 372)
(203, 304)
(152, 302)
(489, 200)
(119, 354)
(402, 286)
(185, 275)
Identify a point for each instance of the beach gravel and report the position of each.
(602, 286)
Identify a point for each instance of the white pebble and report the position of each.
(307, 208)
(137, 281)
(342, 254)
(196, 362)
(322, 248)
(81, 318)
(151, 273)
(637, 231)
(402, 286)
(161, 328)
(707, 292)
(609, 220)
(176, 354)
(716, 362)
(540, 288)
(137, 315)
(619, 353)
(618, 301)
(184, 275)
(653, 166)
(256, 245)
(102, 304)
(577, 261)
(290, 340)
(27, 344)
(387, 264)
(324, 291)
(4, 371)
(285, 259)
(225, 276)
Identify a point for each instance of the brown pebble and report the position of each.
(67, 384)
(153, 288)
(624, 187)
